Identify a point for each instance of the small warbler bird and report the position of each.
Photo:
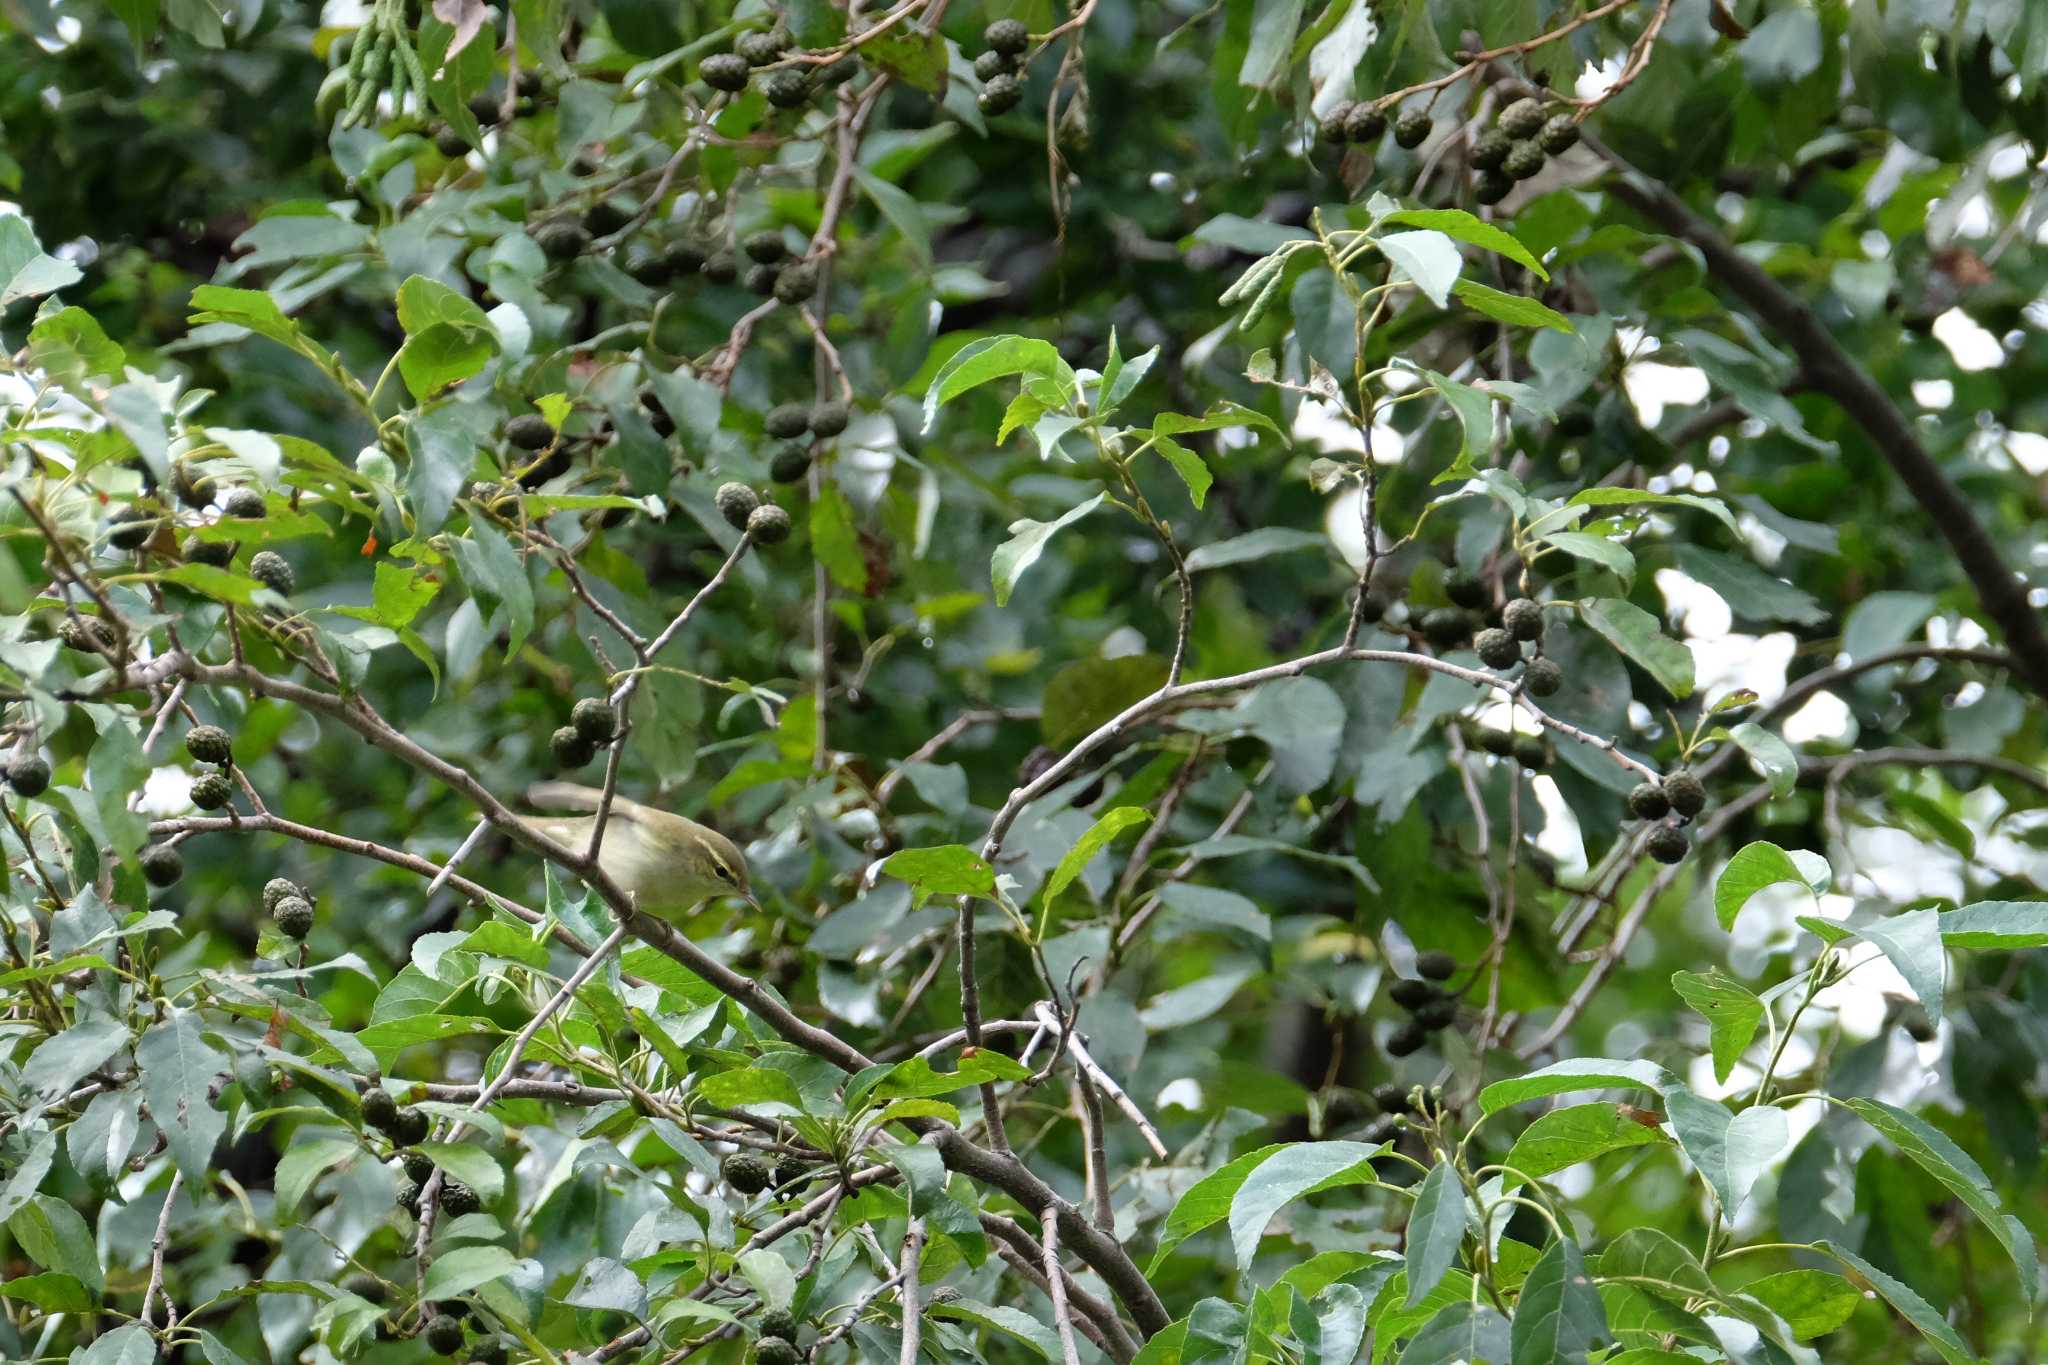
(666, 863)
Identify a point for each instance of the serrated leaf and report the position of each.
(1937, 1154)
(943, 870)
(1426, 259)
(1577, 1073)
(1640, 636)
(1909, 1305)
(1754, 867)
(1467, 228)
(1732, 1010)
(1285, 1177)
(1098, 837)
(1027, 541)
(1997, 924)
(1565, 1137)
(1731, 1150)
(1913, 943)
(1437, 1225)
(1771, 756)
(1559, 1316)
(1516, 309)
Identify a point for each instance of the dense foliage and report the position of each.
(1378, 665)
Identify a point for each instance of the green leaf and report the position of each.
(1594, 549)
(1099, 836)
(1937, 1154)
(177, 1066)
(1287, 1175)
(1273, 26)
(441, 357)
(1771, 756)
(303, 1162)
(1426, 259)
(1254, 545)
(1732, 1010)
(1564, 1137)
(71, 347)
(464, 1269)
(53, 1292)
(748, 1086)
(1913, 943)
(1640, 636)
(1207, 1202)
(1027, 541)
(1516, 309)
(910, 53)
(1909, 1305)
(990, 358)
(63, 1060)
(1466, 228)
(1997, 924)
(53, 1234)
(917, 1078)
(472, 1165)
(1474, 409)
(1437, 1225)
(944, 870)
(441, 453)
(1186, 463)
(494, 569)
(1025, 1328)
(835, 542)
(1754, 867)
(1559, 1316)
(1812, 1302)
(1731, 1150)
(1460, 1333)
(1618, 497)
(425, 303)
(1577, 1073)
(25, 272)
(1748, 590)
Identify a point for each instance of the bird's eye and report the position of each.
(724, 871)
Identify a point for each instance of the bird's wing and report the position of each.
(576, 796)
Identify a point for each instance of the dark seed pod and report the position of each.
(450, 142)
(131, 528)
(1392, 1098)
(1007, 36)
(277, 889)
(1411, 994)
(1542, 677)
(366, 1287)
(762, 48)
(594, 719)
(409, 1198)
(1499, 743)
(1921, 1029)
(648, 266)
(562, 241)
(483, 107)
(736, 502)
(1688, 795)
(1493, 187)
(571, 750)
(1497, 649)
(829, 419)
(1407, 1039)
(774, 1351)
(1333, 129)
(28, 774)
(838, 73)
(791, 1174)
(1365, 122)
(269, 568)
(769, 525)
(1000, 95)
(1447, 626)
(1648, 801)
(721, 268)
(1523, 619)
(1490, 148)
(162, 865)
(245, 503)
(1467, 590)
(1532, 752)
(458, 1199)
(1560, 134)
(211, 791)
(1412, 130)
(294, 917)
(218, 553)
(1668, 844)
(1437, 1014)
(530, 85)
(765, 246)
(746, 1173)
(990, 65)
(1436, 965)
(788, 88)
(779, 1323)
(210, 744)
(790, 464)
(683, 256)
(1523, 160)
(787, 421)
(1522, 118)
(380, 1111)
(489, 1350)
(419, 1167)
(760, 279)
(727, 71)
(86, 634)
(795, 283)
(193, 485)
(411, 1128)
(443, 1334)
(529, 431)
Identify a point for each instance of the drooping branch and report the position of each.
(1830, 369)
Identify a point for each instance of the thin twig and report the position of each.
(1056, 1282)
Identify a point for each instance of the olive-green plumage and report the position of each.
(667, 863)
